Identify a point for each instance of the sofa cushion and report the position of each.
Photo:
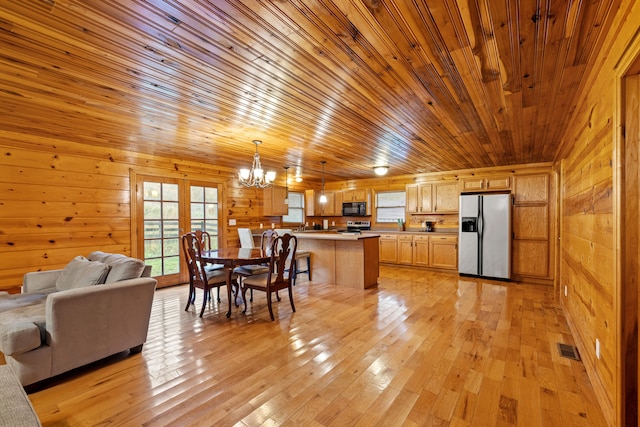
(81, 272)
(22, 328)
(122, 266)
(19, 337)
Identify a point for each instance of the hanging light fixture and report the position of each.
(380, 170)
(286, 185)
(323, 198)
(256, 177)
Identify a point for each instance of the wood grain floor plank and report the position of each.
(423, 348)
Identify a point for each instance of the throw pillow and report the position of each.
(124, 268)
(81, 272)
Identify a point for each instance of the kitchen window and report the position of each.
(390, 206)
(296, 209)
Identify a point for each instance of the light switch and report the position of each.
(232, 222)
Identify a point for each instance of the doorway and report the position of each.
(166, 208)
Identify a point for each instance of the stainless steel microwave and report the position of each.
(354, 209)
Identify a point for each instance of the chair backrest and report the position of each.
(192, 248)
(204, 238)
(282, 259)
(246, 238)
(268, 237)
(282, 232)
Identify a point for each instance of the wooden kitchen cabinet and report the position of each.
(357, 195)
(413, 249)
(531, 188)
(313, 207)
(405, 249)
(388, 248)
(446, 197)
(443, 251)
(531, 226)
(273, 201)
(418, 198)
(425, 198)
(485, 183)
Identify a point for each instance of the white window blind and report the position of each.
(390, 206)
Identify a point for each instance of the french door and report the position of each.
(166, 208)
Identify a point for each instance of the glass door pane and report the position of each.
(161, 225)
(204, 211)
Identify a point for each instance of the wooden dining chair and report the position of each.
(300, 254)
(268, 236)
(279, 276)
(199, 277)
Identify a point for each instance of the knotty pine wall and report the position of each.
(60, 199)
(589, 219)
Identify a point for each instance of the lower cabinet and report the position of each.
(420, 250)
(388, 248)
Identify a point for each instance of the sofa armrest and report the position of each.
(93, 322)
(40, 281)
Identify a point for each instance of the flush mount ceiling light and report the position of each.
(256, 177)
(380, 170)
(323, 198)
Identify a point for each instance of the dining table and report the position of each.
(231, 258)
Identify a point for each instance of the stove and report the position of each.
(358, 225)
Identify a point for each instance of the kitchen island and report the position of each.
(343, 259)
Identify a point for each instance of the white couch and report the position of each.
(93, 308)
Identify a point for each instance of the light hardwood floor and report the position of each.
(420, 349)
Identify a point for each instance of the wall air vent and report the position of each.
(568, 351)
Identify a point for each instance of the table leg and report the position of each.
(228, 270)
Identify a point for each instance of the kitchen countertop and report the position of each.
(334, 236)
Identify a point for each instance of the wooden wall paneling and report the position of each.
(630, 248)
(588, 191)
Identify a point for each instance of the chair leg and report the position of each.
(204, 300)
(309, 267)
(269, 304)
(219, 294)
(244, 298)
(190, 298)
(293, 307)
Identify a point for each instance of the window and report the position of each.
(204, 211)
(390, 206)
(296, 209)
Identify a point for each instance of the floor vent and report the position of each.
(568, 351)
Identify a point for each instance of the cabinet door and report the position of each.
(446, 197)
(530, 222)
(444, 252)
(411, 191)
(531, 188)
(498, 183)
(405, 249)
(421, 250)
(361, 195)
(273, 201)
(472, 184)
(389, 248)
(425, 204)
(329, 208)
(531, 258)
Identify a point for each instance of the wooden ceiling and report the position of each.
(418, 85)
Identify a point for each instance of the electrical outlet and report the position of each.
(232, 222)
(597, 348)
(565, 290)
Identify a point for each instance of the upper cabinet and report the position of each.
(426, 198)
(531, 188)
(418, 198)
(313, 207)
(446, 197)
(477, 183)
(357, 195)
(273, 201)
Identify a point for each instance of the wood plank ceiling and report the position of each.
(418, 85)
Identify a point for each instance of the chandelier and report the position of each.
(256, 177)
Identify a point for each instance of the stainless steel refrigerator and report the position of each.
(484, 244)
